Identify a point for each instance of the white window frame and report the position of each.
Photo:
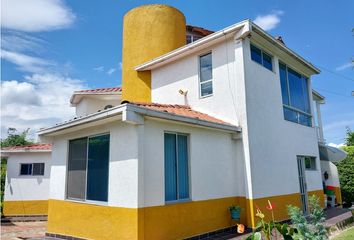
(210, 80)
(313, 163)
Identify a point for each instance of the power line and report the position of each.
(337, 74)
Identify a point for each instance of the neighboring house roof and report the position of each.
(199, 30)
(130, 112)
(77, 95)
(242, 29)
(38, 147)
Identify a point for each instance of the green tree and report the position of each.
(15, 138)
(346, 175)
(349, 139)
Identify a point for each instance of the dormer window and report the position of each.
(206, 75)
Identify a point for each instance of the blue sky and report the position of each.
(52, 47)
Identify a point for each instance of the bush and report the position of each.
(346, 175)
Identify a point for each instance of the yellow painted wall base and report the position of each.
(338, 194)
(174, 221)
(37, 207)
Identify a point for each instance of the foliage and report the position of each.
(235, 208)
(346, 175)
(313, 226)
(15, 138)
(3, 176)
(349, 139)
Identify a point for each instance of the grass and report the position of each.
(347, 234)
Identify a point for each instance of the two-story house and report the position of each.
(224, 120)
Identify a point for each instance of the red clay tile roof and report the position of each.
(180, 110)
(101, 90)
(37, 146)
(202, 31)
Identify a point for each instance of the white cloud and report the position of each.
(111, 71)
(35, 15)
(269, 21)
(39, 100)
(99, 68)
(25, 62)
(345, 66)
(20, 42)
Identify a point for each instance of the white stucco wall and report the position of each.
(123, 160)
(215, 162)
(249, 95)
(331, 169)
(275, 142)
(20, 188)
(91, 105)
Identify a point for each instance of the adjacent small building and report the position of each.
(27, 179)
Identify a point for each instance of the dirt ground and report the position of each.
(23, 230)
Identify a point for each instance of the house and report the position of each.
(27, 180)
(228, 119)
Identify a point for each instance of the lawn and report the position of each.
(347, 234)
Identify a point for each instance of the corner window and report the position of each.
(32, 169)
(88, 167)
(176, 167)
(206, 75)
(310, 163)
(261, 57)
(295, 96)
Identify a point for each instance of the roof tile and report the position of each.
(101, 90)
(37, 146)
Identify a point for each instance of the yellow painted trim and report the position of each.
(338, 194)
(93, 221)
(172, 221)
(35, 207)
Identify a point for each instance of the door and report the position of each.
(302, 182)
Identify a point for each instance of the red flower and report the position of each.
(240, 228)
(270, 206)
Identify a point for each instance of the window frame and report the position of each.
(207, 81)
(188, 165)
(85, 200)
(313, 163)
(291, 108)
(31, 174)
(262, 52)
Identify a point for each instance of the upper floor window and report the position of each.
(88, 164)
(33, 169)
(295, 95)
(176, 167)
(206, 75)
(261, 57)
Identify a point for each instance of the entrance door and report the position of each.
(303, 185)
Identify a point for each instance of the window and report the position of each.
(176, 167)
(295, 95)
(88, 167)
(261, 57)
(206, 75)
(32, 169)
(310, 163)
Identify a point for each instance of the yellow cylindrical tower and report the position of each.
(148, 32)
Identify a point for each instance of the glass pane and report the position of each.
(284, 84)
(256, 54)
(26, 169)
(305, 120)
(170, 167)
(76, 182)
(98, 168)
(183, 182)
(307, 163)
(38, 169)
(290, 115)
(297, 95)
(205, 66)
(267, 61)
(206, 88)
(305, 91)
